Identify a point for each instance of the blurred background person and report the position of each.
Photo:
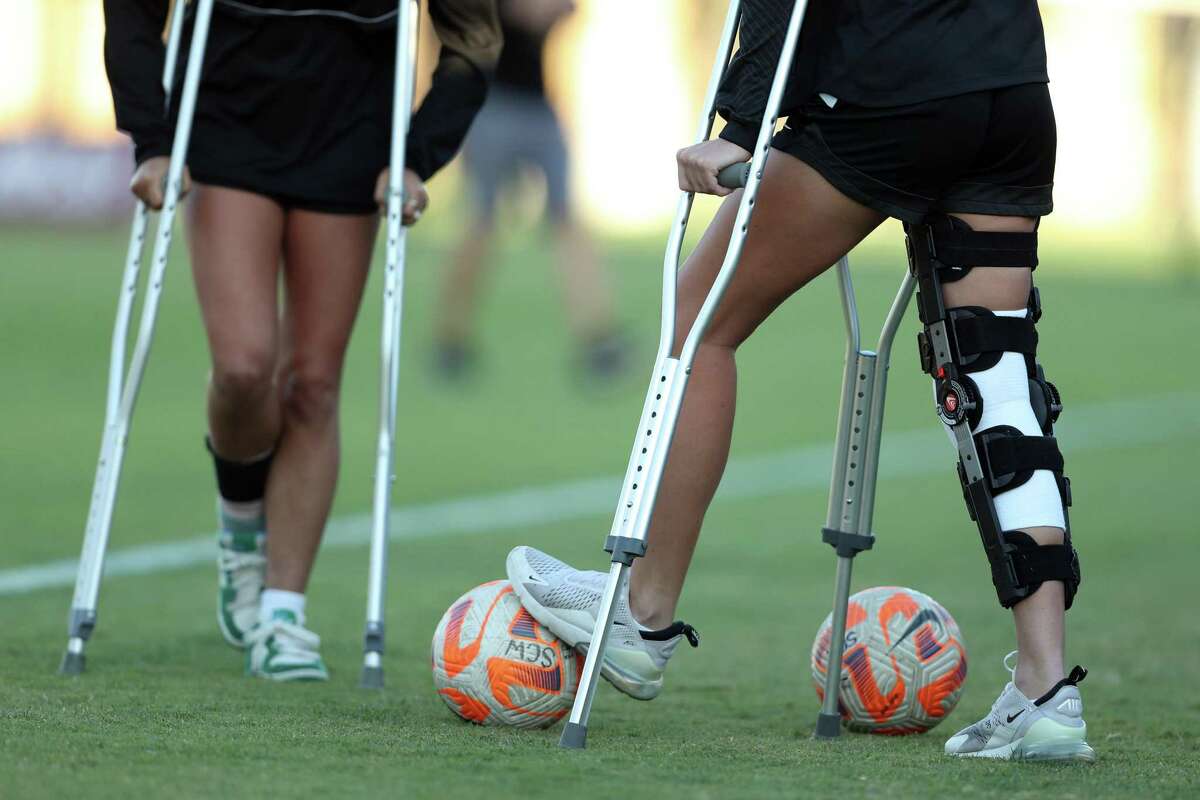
(518, 130)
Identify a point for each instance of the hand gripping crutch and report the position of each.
(660, 413)
(123, 386)
(407, 17)
(855, 467)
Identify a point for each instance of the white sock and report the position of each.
(1004, 390)
(250, 511)
(273, 600)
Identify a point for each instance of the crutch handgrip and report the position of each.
(735, 176)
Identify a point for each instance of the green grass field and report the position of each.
(164, 708)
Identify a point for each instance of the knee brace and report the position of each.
(994, 399)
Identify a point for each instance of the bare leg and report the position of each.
(801, 226)
(459, 297)
(586, 291)
(1040, 618)
(327, 257)
(235, 242)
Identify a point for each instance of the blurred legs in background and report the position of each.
(518, 129)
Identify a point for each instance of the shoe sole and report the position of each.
(1046, 740)
(298, 675)
(578, 638)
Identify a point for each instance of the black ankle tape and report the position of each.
(676, 628)
(240, 481)
(1077, 675)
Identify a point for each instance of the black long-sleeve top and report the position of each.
(469, 31)
(880, 53)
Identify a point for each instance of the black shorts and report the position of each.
(295, 109)
(989, 152)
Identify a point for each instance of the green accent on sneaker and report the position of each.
(242, 541)
(297, 660)
(245, 532)
(241, 569)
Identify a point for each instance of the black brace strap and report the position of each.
(961, 340)
(1035, 564)
(1011, 457)
(987, 333)
(959, 246)
(1017, 454)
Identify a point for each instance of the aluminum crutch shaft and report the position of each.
(393, 297)
(855, 469)
(121, 401)
(664, 398)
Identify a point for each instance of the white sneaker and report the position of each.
(567, 601)
(1050, 728)
(281, 649)
(241, 571)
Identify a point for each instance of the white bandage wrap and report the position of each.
(1004, 391)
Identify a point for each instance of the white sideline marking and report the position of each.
(910, 453)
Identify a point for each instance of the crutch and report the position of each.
(855, 467)
(407, 17)
(652, 441)
(123, 386)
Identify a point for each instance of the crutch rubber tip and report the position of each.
(372, 678)
(574, 736)
(72, 664)
(829, 726)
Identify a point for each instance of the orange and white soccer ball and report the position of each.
(904, 665)
(494, 664)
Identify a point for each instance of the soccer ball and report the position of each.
(494, 664)
(904, 665)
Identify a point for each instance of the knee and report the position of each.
(244, 378)
(311, 397)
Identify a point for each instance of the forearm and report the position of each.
(441, 123)
(469, 31)
(133, 58)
